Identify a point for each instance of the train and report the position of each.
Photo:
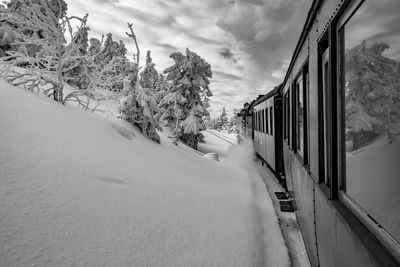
(329, 132)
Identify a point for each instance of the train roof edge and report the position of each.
(273, 92)
(312, 12)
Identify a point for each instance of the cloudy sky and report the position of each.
(247, 42)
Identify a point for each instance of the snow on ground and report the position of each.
(217, 142)
(78, 189)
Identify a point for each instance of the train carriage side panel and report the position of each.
(326, 13)
(335, 237)
(303, 186)
(304, 193)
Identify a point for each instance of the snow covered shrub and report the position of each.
(186, 99)
(40, 45)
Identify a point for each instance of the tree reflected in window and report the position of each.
(371, 83)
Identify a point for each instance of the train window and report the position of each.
(306, 115)
(265, 121)
(299, 115)
(255, 121)
(256, 118)
(370, 104)
(271, 120)
(324, 112)
(286, 117)
(262, 121)
(289, 122)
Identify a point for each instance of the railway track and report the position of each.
(225, 138)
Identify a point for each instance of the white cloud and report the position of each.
(267, 31)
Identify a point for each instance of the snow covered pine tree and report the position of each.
(139, 107)
(186, 99)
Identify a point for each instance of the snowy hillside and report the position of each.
(78, 189)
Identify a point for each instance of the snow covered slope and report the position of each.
(78, 189)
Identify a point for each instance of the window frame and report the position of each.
(379, 233)
(271, 120)
(286, 117)
(297, 82)
(256, 120)
(303, 75)
(263, 120)
(327, 113)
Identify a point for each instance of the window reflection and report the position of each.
(299, 114)
(372, 111)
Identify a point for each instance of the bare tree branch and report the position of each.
(133, 36)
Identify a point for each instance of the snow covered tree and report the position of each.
(149, 76)
(161, 88)
(224, 119)
(121, 50)
(108, 49)
(186, 99)
(7, 34)
(108, 77)
(214, 123)
(41, 47)
(232, 125)
(139, 106)
(372, 93)
(108, 67)
(94, 51)
(77, 75)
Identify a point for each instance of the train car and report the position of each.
(248, 119)
(341, 132)
(268, 130)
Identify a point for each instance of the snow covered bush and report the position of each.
(40, 45)
(186, 99)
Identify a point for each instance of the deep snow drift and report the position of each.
(77, 189)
